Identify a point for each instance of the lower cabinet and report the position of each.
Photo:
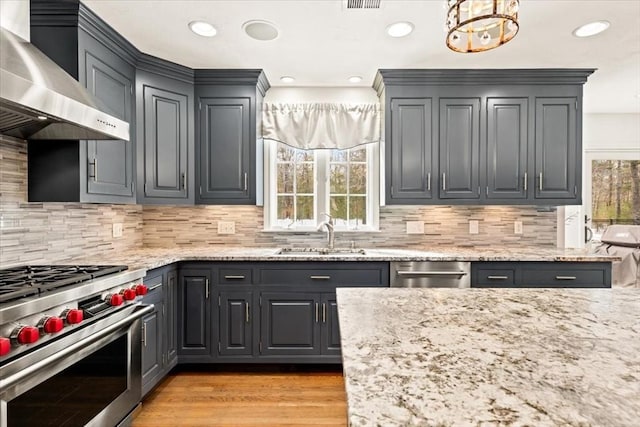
(265, 312)
(534, 274)
(159, 342)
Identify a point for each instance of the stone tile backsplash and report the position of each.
(55, 232)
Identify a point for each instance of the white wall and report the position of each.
(14, 16)
(604, 136)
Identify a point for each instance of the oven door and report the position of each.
(91, 377)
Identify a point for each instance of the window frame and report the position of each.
(321, 189)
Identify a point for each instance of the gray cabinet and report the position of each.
(507, 148)
(171, 314)
(499, 136)
(411, 154)
(535, 274)
(194, 308)
(459, 145)
(165, 133)
(227, 132)
(330, 339)
(235, 309)
(100, 59)
(557, 159)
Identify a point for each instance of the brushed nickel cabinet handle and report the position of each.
(565, 277)
(324, 313)
(94, 169)
(316, 312)
(497, 277)
(154, 287)
(525, 181)
(144, 334)
(320, 277)
(246, 182)
(429, 181)
(444, 181)
(540, 183)
(234, 277)
(246, 312)
(206, 289)
(184, 181)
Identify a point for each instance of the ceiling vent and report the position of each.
(362, 4)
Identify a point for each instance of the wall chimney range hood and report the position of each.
(39, 100)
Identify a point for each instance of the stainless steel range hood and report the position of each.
(39, 100)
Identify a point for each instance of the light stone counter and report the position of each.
(150, 258)
(491, 357)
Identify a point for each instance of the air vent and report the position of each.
(363, 4)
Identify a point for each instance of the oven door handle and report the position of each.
(19, 376)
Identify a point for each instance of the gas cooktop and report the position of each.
(32, 280)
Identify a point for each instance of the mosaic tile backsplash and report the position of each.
(55, 232)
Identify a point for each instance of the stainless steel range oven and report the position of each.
(70, 354)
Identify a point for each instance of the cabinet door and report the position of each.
(556, 148)
(194, 331)
(459, 148)
(165, 144)
(225, 142)
(507, 148)
(110, 163)
(152, 335)
(171, 307)
(235, 323)
(330, 325)
(290, 323)
(411, 149)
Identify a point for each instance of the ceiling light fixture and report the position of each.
(287, 79)
(202, 28)
(42, 117)
(400, 29)
(480, 25)
(355, 79)
(260, 30)
(591, 29)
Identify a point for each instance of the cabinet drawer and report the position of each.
(234, 276)
(331, 275)
(565, 277)
(490, 277)
(154, 286)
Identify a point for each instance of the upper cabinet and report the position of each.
(165, 149)
(104, 62)
(227, 131)
(483, 136)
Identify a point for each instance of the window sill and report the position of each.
(313, 230)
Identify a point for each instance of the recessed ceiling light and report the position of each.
(591, 29)
(287, 79)
(202, 28)
(400, 29)
(355, 79)
(260, 30)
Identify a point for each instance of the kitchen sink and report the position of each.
(320, 251)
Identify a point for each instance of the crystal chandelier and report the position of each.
(479, 25)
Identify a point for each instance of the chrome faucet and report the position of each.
(329, 225)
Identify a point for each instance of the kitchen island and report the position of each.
(468, 357)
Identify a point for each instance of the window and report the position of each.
(302, 185)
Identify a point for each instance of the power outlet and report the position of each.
(517, 227)
(415, 227)
(226, 227)
(116, 231)
(474, 227)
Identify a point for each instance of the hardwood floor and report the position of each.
(247, 396)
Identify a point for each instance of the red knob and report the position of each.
(51, 325)
(128, 294)
(5, 346)
(27, 334)
(141, 289)
(114, 299)
(73, 316)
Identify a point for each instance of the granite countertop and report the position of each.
(472, 357)
(150, 258)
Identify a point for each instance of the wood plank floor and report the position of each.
(271, 396)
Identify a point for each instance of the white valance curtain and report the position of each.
(321, 125)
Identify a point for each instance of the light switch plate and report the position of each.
(473, 227)
(116, 231)
(226, 227)
(415, 227)
(517, 227)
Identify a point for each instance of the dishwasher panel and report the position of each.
(431, 274)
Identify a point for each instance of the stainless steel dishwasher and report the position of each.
(430, 274)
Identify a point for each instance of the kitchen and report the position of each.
(47, 232)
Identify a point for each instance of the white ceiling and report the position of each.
(322, 44)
